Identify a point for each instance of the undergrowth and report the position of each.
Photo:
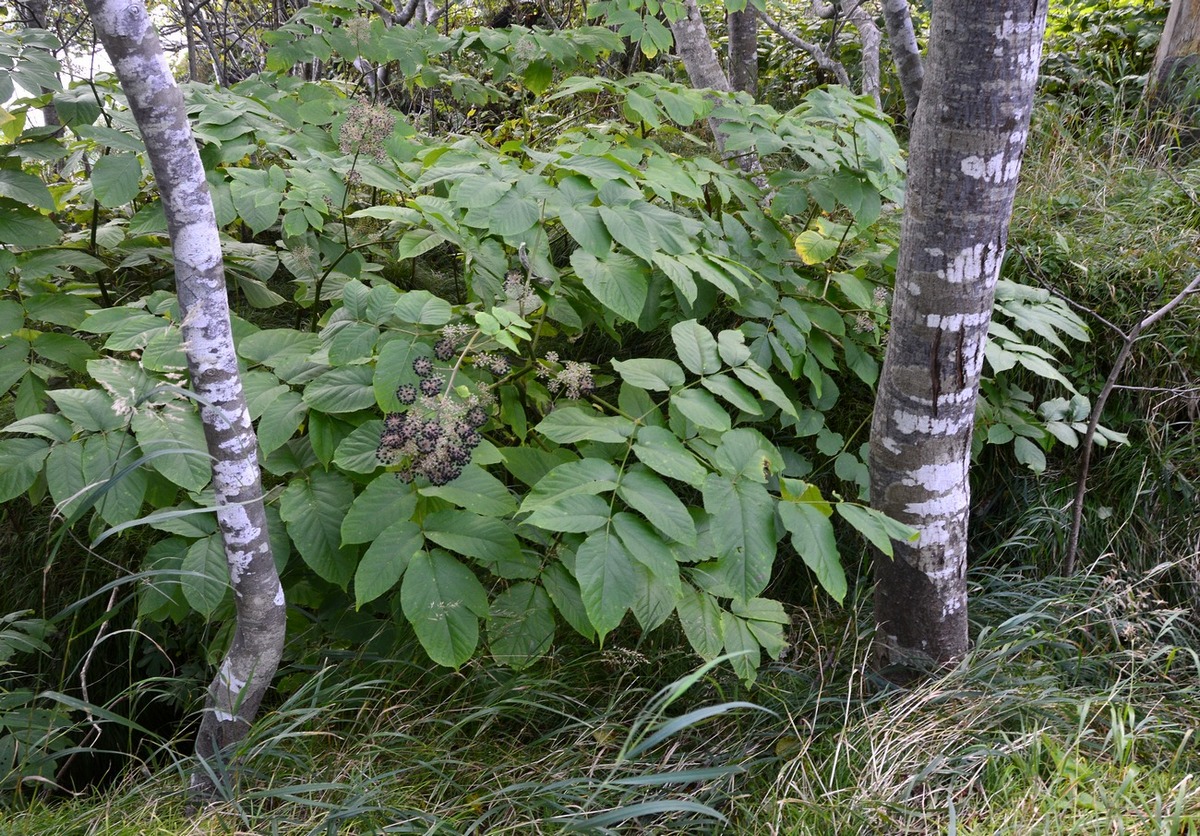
(1074, 713)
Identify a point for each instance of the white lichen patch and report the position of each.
(971, 264)
(956, 322)
(937, 478)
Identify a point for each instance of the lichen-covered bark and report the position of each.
(157, 105)
(743, 49)
(965, 155)
(903, 42)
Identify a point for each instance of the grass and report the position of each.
(1075, 712)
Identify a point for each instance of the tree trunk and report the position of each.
(704, 71)
(965, 156)
(34, 14)
(157, 105)
(903, 42)
(868, 38)
(743, 49)
(1178, 50)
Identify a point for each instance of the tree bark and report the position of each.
(693, 45)
(157, 105)
(965, 156)
(1178, 50)
(869, 40)
(903, 42)
(743, 49)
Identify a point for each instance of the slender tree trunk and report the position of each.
(869, 39)
(964, 160)
(903, 42)
(743, 49)
(704, 71)
(157, 105)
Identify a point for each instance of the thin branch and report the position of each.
(1098, 409)
(815, 52)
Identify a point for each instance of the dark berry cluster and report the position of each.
(407, 394)
(423, 366)
(436, 437)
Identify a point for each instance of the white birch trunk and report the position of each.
(157, 105)
(965, 155)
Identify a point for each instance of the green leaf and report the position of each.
(586, 476)
(815, 248)
(486, 539)
(654, 600)
(607, 581)
(353, 342)
(422, 308)
(384, 502)
(733, 392)
(661, 451)
(513, 214)
(521, 626)
(358, 452)
(753, 376)
(277, 347)
(1029, 454)
(630, 231)
(742, 645)
(386, 560)
(569, 424)
(110, 469)
(20, 463)
(116, 179)
(700, 618)
(393, 367)
(874, 526)
(574, 513)
(478, 491)
(25, 227)
(443, 601)
(25, 188)
(650, 373)
(646, 547)
(618, 282)
(313, 510)
(280, 420)
(204, 575)
(564, 592)
(696, 347)
(813, 539)
(53, 427)
(345, 389)
(745, 453)
(743, 534)
(89, 409)
(257, 196)
(647, 494)
(174, 426)
(701, 409)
